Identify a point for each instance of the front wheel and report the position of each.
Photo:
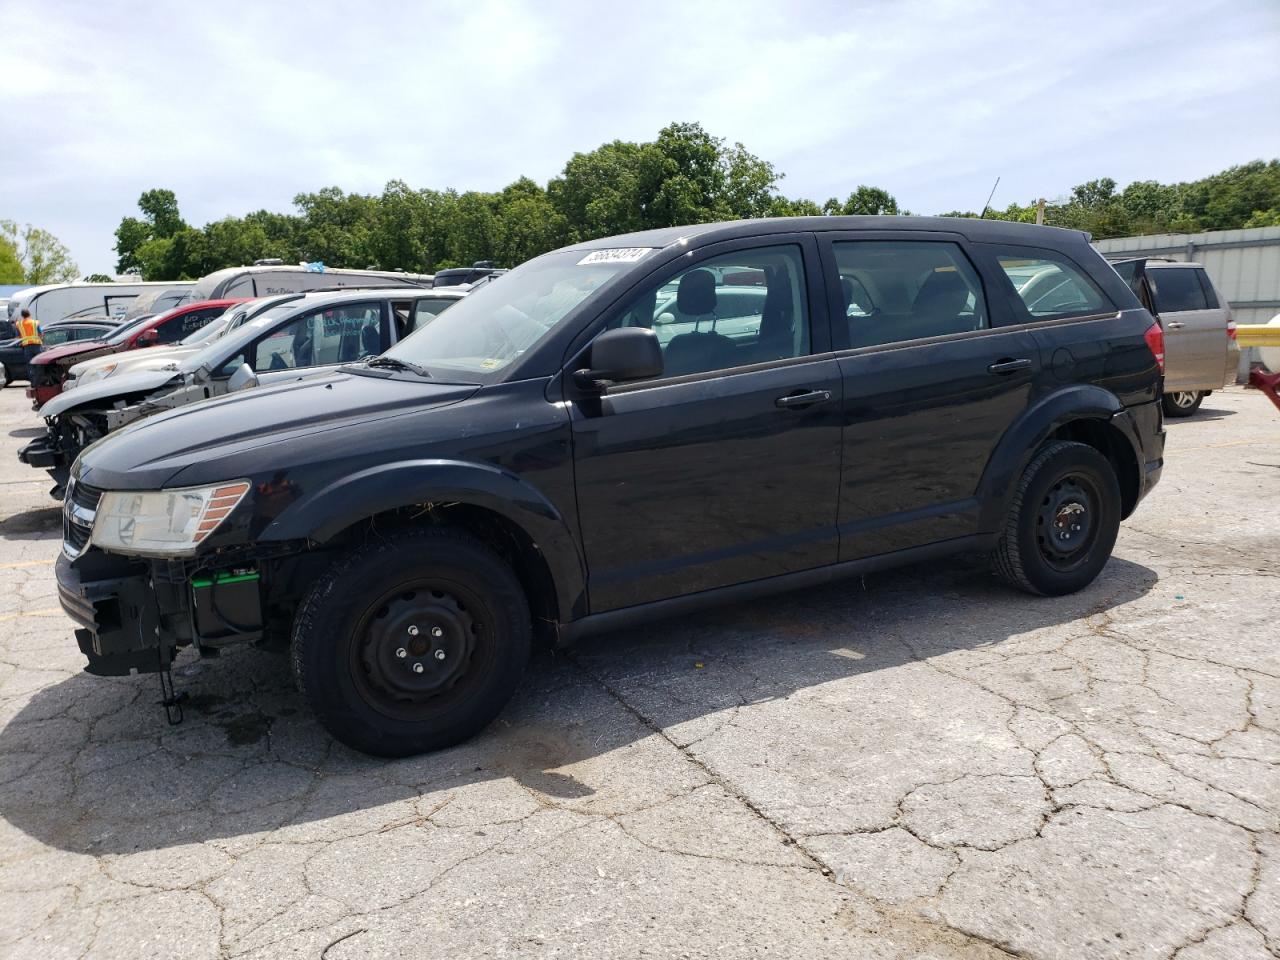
(412, 642)
(4, 376)
(1182, 403)
(1063, 522)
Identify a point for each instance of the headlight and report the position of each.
(98, 373)
(165, 522)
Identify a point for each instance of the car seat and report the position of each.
(698, 350)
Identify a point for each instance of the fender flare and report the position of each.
(358, 496)
(1026, 435)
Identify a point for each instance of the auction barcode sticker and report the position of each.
(619, 255)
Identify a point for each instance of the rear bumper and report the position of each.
(1143, 424)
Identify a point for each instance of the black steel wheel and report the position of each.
(412, 643)
(1063, 521)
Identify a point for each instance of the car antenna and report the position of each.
(987, 206)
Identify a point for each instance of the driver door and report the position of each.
(725, 468)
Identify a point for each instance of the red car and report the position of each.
(47, 370)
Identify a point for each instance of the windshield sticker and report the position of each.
(490, 364)
(619, 255)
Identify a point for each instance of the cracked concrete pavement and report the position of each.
(921, 764)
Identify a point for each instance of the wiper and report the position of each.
(395, 363)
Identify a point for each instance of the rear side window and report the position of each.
(1176, 288)
(1050, 287)
(895, 290)
(1210, 295)
(179, 327)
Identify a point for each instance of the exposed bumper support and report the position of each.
(118, 618)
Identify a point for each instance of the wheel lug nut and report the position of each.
(413, 630)
(437, 632)
(402, 653)
(418, 668)
(439, 654)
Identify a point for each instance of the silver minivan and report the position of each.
(1200, 349)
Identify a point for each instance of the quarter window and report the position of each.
(730, 311)
(1051, 287)
(895, 290)
(1176, 288)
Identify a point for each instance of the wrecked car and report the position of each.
(297, 334)
(596, 439)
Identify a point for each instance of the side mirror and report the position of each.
(147, 337)
(628, 353)
(242, 379)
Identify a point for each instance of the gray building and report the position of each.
(1243, 264)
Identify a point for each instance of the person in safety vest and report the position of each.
(29, 333)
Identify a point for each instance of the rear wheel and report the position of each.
(1063, 522)
(4, 376)
(1182, 403)
(412, 643)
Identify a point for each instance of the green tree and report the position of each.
(99, 278)
(11, 270)
(41, 256)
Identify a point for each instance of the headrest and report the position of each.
(696, 295)
(846, 290)
(944, 290)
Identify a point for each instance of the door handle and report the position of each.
(806, 398)
(1009, 366)
(1176, 324)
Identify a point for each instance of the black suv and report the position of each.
(623, 429)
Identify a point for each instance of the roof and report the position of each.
(991, 231)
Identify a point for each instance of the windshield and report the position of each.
(126, 330)
(493, 325)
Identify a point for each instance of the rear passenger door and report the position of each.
(934, 374)
(1195, 334)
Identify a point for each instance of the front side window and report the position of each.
(896, 290)
(54, 337)
(1175, 289)
(741, 308)
(1050, 287)
(339, 335)
(424, 311)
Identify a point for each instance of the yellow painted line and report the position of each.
(30, 613)
(28, 563)
(1214, 446)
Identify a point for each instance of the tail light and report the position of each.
(1231, 330)
(1155, 343)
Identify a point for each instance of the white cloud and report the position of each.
(241, 105)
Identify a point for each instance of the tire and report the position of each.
(4, 376)
(367, 624)
(1182, 403)
(1068, 488)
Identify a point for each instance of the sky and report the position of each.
(238, 106)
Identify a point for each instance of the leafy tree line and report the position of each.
(1243, 196)
(685, 175)
(32, 256)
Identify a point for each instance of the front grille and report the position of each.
(78, 510)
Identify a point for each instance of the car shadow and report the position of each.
(28, 432)
(1201, 415)
(89, 765)
(41, 523)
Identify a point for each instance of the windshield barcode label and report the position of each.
(620, 255)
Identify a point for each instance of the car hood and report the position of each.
(127, 384)
(209, 441)
(148, 358)
(68, 350)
